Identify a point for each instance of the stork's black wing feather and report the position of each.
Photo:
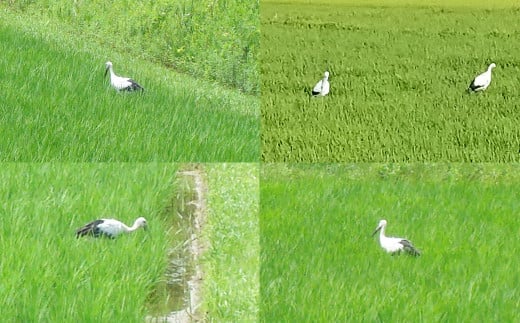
(408, 247)
(89, 229)
(474, 87)
(134, 86)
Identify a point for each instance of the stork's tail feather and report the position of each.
(408, 247)
(134, 86)
(413, 251)
(89, 229)
(86, 230)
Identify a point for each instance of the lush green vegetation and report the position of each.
(231, 264)
(320, 263)
(56, 105)
(411, 3)
(47, 275)
(399, 72)
(213, 39)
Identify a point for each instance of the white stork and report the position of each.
(322, 87)
(394, 245)
(482, 81)
(109, 227)
(121, 83)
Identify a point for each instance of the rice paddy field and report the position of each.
(321, 264)
(47, 275)
(56, 105)
(232, 262)
(399, 71)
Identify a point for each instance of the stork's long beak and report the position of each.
(106, 71)
(377, 229)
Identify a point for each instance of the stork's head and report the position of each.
(492, 66)
(141, 222)
(326, 74)
(108, 65)
(381, 225)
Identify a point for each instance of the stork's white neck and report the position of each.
(111, 70)
(134, 227)
(382, 233)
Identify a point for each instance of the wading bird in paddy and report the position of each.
(109, 227)
(322, 87)
(121, 83)
(482, 81)
(394, 245)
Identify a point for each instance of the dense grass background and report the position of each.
(46, 274)
(320, 263)
(56, 105)
(398, 80)
(231, 264)
(412, 3)
(213, 39)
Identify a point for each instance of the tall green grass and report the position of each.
(412, 3)
(320, 263)
(231, 262)
(398, 77)
(46, 274)
(56, 105)
(217, 40)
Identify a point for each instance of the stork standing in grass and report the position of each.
(394, 245)
(482, 81)
(121, 83)
(109, 227)
(322, 87)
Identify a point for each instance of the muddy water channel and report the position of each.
(176, 299)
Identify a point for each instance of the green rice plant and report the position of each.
(398, 74)
(56, 105)
(321, 264)
(47, 274)
(217, 40)
(402, 3)
(231, 262)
